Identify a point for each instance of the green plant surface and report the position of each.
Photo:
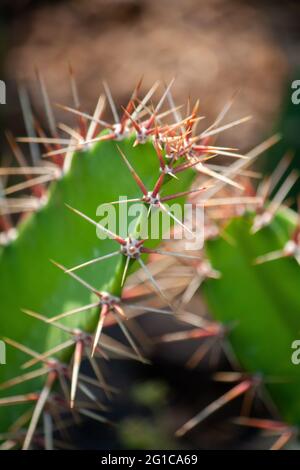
(140, 433)
(27, 277)
(149, 432)
(261, 303)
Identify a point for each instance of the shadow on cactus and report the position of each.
(56, 313)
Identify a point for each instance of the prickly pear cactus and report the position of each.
(87, 172)
(255, 302)
(61, 282)
(263, 306)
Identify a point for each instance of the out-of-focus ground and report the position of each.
(213, 48)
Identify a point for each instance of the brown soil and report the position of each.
(213, 48)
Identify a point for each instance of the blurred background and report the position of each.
(214, 49)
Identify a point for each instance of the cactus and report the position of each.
(94, 175)
(271, 305)
(55, 314)
(258, 305)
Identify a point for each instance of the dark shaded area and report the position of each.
(188, 392)
(288, 125)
